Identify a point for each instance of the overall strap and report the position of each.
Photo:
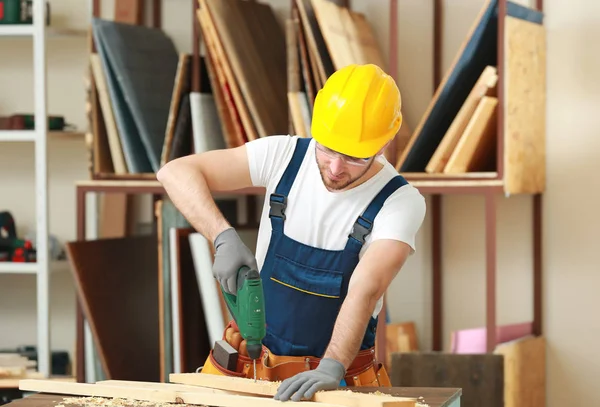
(364, 223)
(278, 199)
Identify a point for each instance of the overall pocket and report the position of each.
(302, 306)
(308, 280)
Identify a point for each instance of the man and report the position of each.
(338, 224)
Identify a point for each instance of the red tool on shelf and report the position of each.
(12, 248)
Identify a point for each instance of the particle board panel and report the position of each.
(525, 372)
(486, 86)
(245, 130)
(525, 106)
(116, 285)
(475, 150)
(257, 54)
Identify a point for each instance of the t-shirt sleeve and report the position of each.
(401, 217)
(268, 157)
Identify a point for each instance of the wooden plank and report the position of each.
(524, 106)
(257, 56)
(226, 77)
(305, 64)
(129, 11)
(316, 44)
(265, 388)
(231, 127)
(116, 285)
(485, 86)
(524, 372)
(182, 85)
(475, 150)
(112, 133)
(154, 395)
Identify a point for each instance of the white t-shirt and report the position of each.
(324, 219)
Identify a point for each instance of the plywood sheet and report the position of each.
(525, 106)
(182, 85)
(238, 108)
(117, 287)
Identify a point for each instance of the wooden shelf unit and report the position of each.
(519, 36)
(520, 155)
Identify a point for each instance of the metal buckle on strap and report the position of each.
(360, 231)
(278, 204)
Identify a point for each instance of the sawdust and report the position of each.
(421, 402)
(116, 402)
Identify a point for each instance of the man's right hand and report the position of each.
(230, 255)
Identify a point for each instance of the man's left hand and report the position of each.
(327, 376)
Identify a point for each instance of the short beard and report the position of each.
(342, 184)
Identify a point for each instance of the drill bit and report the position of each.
(254, 362)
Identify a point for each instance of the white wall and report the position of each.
(569, 218)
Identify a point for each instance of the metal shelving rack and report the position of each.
(37, 31)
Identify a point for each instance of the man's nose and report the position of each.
(336, 166)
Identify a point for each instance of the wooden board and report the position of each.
(181, 86)
(524, 106)
(117, 287)
(485, 86)
(475, 150)
(265, 388)
(524, 372)
(317, 49)
(242, 120)
(202, 398)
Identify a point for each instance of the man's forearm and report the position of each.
(189, 192)
(350, 327)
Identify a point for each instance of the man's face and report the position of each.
(339, 171)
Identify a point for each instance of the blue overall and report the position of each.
(305, 286)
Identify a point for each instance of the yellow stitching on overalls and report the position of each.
(305, 291)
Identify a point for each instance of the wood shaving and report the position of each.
(421, 402)
(116, 402)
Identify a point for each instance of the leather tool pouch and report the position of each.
(364, 371)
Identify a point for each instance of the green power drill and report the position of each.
(248, 310)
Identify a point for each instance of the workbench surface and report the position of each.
(431, 397)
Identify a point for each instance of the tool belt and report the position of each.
(364, 370)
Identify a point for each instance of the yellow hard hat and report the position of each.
(357, 111)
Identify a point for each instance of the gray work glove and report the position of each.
(230, 255)
(327, 376)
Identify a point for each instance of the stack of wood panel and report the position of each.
(458, 134)
(324, 36)
(246, 62)
(15, 366)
